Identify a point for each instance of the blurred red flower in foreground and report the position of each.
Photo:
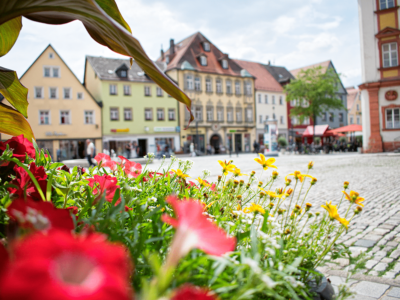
(132, 169)
(24, 182)
(20, 146)
(106, 161)
(194, 230)
(59, 266)
(189, 292)
(101, 184)
(39, 215)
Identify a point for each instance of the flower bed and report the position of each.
(122, 231)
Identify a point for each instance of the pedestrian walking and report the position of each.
(89, 152)
(192, 150)
(128, 148)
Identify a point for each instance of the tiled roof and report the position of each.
(281, 74)
(188, 51)
(351, 97)
(324, 66)
(105, 69)
(264, 80)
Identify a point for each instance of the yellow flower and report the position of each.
(265, 163)
(303, 176)
(203, 182)
(226, 167)
(353, 198)
(209, 205)
(274, 195)
(296, 174)
(254, 208)
(236, 173)
(180, 174)
(333, 214)
(289, 191)
(274, 174)
(310, 165)
(239, 207)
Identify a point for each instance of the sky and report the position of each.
(289, 33)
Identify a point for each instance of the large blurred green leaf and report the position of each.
(12, 89)
(103, 22)
(13, 123)
(9, 32)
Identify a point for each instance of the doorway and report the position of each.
(215, 142)
(142, 147)
(238, 142)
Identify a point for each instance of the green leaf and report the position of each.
(9, 33)
(13, 123)
(105, 25)
(12, 89)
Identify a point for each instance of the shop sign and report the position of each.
(120, 130)
(232, 130)
(49, 133)
(164, 129)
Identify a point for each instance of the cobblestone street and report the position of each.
(376, 231)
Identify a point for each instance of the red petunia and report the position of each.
(131, 169)
(39, 215)
(213, 187)
(189, 292)
(20, 146)
(60, 266)
(106, 161)
(25, 184)
(101, 184)
(194, 230)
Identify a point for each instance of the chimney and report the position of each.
(269, 63)
(162, 53)
(171, 47)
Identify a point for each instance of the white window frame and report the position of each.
(208, 85)
(280, 100)
(225, 64)
(358, 120)
(197, 83)
(341, 117)
(113, 89)
(218, 84)
(189, 82)
(171, 114)
(198, 113)
(229, 114)
(147, 91)
(44, 71)
(386, 3)
(210, 113)
(229, 87)
(159, 92)
(282, 119)
(387, 122)
(41, 92)
(351, 120)
(128, 109)
(123, 75)
(50, 92)
(49, 117)
(148, 114)
(266, 99)
(127, 90)
(248, 88)
(51, 71)
(92, 117)
(220, 114)
(70, 93)
(59, 72)
(249, 115)
(77, 95)
(239, 115)
(273, 99)
(69, 116)
(114, 109)
(203, 60)
(331, 114)
(160, 114)
(260, 119)
(259, 98)
(206, 46)
(393, 59)
(51, 55)
(237, 88)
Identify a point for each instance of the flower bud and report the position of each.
(317, 213)
(297, 207)
(287, 231)
(310, 215)
(205, 195)
(247, 186)
(262, 194)
(358, 210)
(346, 184)
(239, 197)
(310, 165)
(274, 174)
(281, 211)
(289, 191)
(219, 178)
(252, 173)
(288, 181)
(271, 205)
(236, 182)
(313, 181)
(260, 183)
(241, 182)
(308, 206)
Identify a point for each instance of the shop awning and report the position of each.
(320, 130)
(348, 128)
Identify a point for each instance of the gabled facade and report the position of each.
(380, 88)
(270, 99)
(61, 112)
(221, 91)
(136, 110)
(354, 106)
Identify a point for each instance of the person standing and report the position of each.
(192, 150)
(128, 148)
(89, 152)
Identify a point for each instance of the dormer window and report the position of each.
(206, 46)
(123, 73)
(385, 4)
(167, 59)
(225, 64)
(203, 60)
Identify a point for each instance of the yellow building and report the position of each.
(61, 112)
(354, 106)
(222, 95)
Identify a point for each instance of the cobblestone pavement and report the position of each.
(375, 232)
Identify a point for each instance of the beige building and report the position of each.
(61, 112)
(354, 106)
(222, 95)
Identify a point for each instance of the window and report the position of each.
(228, 87)
(229, 114)
(198, 113)
(393, 118)
(51, 56)
(44, 117)
(127, 90)
(220, 114)
(65, 117)
(293, 103)
(358, 120)
(259, 98)
(160, 114)
(331, 117)
(79, 96)
(389, 52)
(239, 115)
(51, 72)
(159, 92)
(128, 114)
(197, 85)
(384, 4)
(113, 89)
(206, 46)
(306, 121)
(147, 91)
(47, 72)
(189, 82)
(249, 115)
(89, 117)
(260, 119)
(67, 93)
(247, 88)
(340, 117)
(281, 101)
(114, 114)
(167, 59)
(273, 100)
(324, 117)
(208, 85)
(123, 73)
(210, 113)
(56, 72)
(351, 120)
(358, 107)
(148, 114)
(266, 99)
(266, 118)
(224, 64)
(237, 87)
(273, 117)
(294, 120)
(203, 60)
(282, 120)
(53, 93)
(219, 86)
(38, 92)
(171, 114)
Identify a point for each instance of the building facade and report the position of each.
(136, 111)
(61, 112)
(270, 100)
(222, 95)
(354, 106)
(379, 36)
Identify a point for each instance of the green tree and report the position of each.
(314, 91)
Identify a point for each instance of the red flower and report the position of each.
(20, 146)
(64, 267)
(189, 292)
(101, 184)
(132, 169)
(25, 184)
(192, 184)
(213, 186)
(39, 215)
(106, 161)
(152, 174)
(194, 230)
